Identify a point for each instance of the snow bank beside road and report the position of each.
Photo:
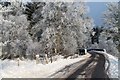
(29, 69)
(113, 70)
(0, 70)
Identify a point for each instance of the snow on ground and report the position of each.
(0, 70)
(29, 69)
(113, 70)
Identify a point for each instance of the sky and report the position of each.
(96, 11)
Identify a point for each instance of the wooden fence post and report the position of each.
(18, 61)
(37, 59)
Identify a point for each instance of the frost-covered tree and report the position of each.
(33, 11)
(65, 26)
(112, 23)
(111, 15)
(80, 23)
(13, 32)
(53, 25)
(2, 21)
(106, 42)
(62, 29)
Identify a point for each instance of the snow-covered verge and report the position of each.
(29, 69)
(113, 70)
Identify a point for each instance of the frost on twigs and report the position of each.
(59, 28)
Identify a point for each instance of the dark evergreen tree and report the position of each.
(5, 3)
(33, 11)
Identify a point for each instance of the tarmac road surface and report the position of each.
(93, 69)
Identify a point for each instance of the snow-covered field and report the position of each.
(29, 69)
